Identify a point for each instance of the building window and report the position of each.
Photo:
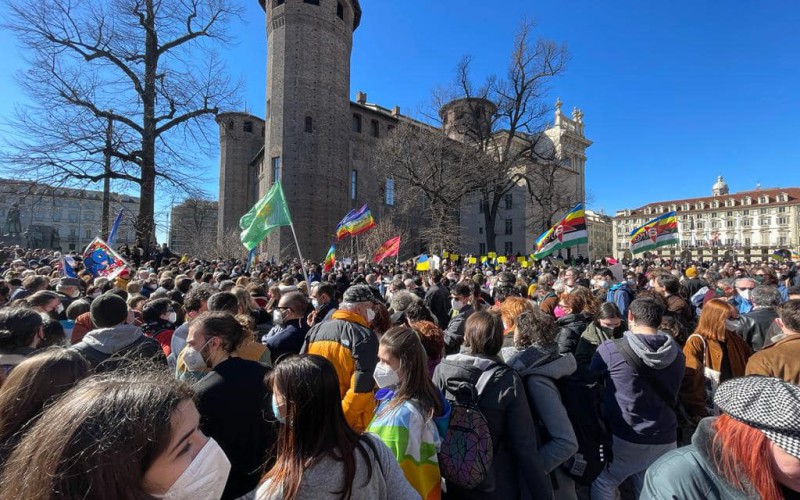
(481, 206)
(729, 242)
(714, 224)
(311, 2)
(389, 192)
(482, 248)
(746, 212)
(509, 248)
(746, 222)
(480, 230)
(763, 211)
(248, 127)
(782, 210)
(509, 226)
(353, 184)
(276, 169)
(764, 221)
(729, 223)
(357, 123)
(340, 10)
(782, 241)
(73, 216)
(376, 128)
(747, 242)
(782, 220)
(699, 225)
(309, 126)
(509, 201)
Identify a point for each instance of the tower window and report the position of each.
(376, 128)
(276, 169)
(340, 10)
(509, 226)
(389, 192)
(353, 184)
(248, 127)
(509, 202)
(312, 2)
(309, 124)
(357, 123)
(509, 247)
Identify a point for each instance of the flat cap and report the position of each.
(358, 293)
(765, 403)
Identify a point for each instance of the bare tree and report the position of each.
(504, 119)
(148, 66)
(432, 174)
(386, 228)
(229, 246)
(196, 227)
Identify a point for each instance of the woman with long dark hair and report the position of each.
(122, 435)
(607, 324)
(35, 382)
(319, 455)
(411, 417)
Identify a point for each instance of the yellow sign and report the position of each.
(492, 255)
(520, 259)
(473, 260)
(524, 263)
(454, 257)
(444, 255)
(502, 259)
(484, 259)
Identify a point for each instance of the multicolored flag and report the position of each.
(270, 212)
(655, 233)
(330, 259)
(355, 223)
(101, 260)
(389, 249)
(568, 232)
(423, 263)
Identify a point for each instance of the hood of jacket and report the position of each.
(461, 368)
(658, 357)
(544, 362)
(574, 321)
(703, 442)
(111, 340)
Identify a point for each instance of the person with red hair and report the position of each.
(713, 347)
(751, 451)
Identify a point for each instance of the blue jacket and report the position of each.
(633, 409)
(621, 295)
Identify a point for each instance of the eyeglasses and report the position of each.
(745, 288)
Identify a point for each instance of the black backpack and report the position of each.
(583, 404)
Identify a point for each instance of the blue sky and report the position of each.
(673, 93)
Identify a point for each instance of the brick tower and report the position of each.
(308, 117)
(241, 137)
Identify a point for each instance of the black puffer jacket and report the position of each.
(570, 328)
(504, 403)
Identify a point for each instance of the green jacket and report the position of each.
(690, 472)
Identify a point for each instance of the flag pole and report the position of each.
(300, 254)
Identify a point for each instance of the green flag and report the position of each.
(270, 212)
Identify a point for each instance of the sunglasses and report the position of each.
(744, 288)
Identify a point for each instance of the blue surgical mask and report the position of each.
(276, 410)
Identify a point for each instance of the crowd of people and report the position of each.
(183, 378)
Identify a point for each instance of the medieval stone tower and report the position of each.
(241, 138)
(308, 116)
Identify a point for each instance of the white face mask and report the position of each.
(193, 359)
(277, 317)
(204, 478)
(745, 294)
(456, 304)
(60, 308)
(370, 315)
(384, 375)
(173, 317)
(315, 303)
(602, 284)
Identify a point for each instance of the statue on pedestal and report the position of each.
(13, 226)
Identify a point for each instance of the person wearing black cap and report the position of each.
(751, 451)
(115, 340)
(347, 341)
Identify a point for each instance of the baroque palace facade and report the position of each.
(319, 143)
(748, 225)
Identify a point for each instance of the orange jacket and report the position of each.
(348, 343)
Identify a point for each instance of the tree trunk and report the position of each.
(489, 216)
(145, 225)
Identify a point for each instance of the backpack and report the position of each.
(583, 404)
(467, 452)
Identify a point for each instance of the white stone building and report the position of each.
(601, 235)
(75, 213)
(748, 225)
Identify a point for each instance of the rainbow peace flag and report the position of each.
(355, 223)
(330, 258)
(568, 232)
(658, 232)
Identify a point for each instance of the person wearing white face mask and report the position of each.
(347, 341)
(118, 435)
(412, 414)
(160, 317)
(230, 398)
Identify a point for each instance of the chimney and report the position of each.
(396, 111)
(361, 97)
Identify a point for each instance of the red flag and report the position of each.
(389, 249)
